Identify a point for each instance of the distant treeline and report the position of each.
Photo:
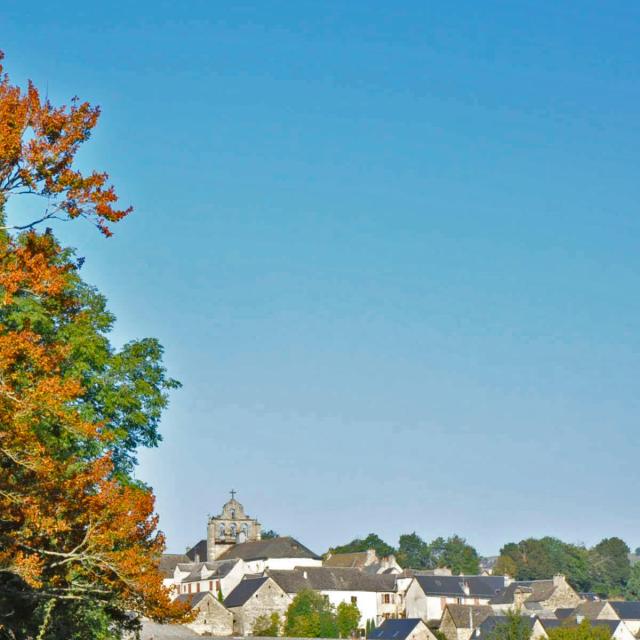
(604, 569)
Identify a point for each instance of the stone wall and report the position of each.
(268, 599)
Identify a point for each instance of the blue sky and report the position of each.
(391, 249)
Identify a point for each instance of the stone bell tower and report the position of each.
(233, 526)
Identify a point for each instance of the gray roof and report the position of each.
(332, 579)
(468, 616)
(216, 570)
(564, 612)
(627, 610)
(539, 590)
(245, 589)
(198, 553)
(453, 586)
(285, 547)
(394, 629)
(194, 598)
(169, 561)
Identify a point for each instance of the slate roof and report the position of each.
(244, 590)
(198, 553)
(357, 559)
(332, 579)
(169, 561)
(468, 616)
(394, 629)
(193, 598)
(563, 613)
(453, 586)
(285, 547)
(216, 569)
(590, 609)
(627, 610)
(492, 622)
(539, 590)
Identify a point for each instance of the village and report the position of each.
(234, 579)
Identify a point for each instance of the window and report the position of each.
(234, 530)
(210, 585)
(189, 588)
(386, 598)
(233, 513)
(354, 600)
(198, 587)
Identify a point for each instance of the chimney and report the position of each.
(518, 598)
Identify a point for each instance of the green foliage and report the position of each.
(347, 619)
(414, 552)
(583, 631)
(267, 626)
(269, 534)
(515, 627)
(126, 388)
(372, 541)
(539, 559)
(633, 584)
(369, 626)
(220, 596)
(311, 615)
(439, 634)
(455, 553)
(505, 566)
(610, 567)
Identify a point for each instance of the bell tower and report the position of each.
(233, 526)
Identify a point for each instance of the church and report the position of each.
(233, 526)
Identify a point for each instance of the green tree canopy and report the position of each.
(583, 631)
(267, 626)
(372, 541)
(347, 619)
(414, 552)
(515, 627)
(455, 553)
(311, 615)
(610, 567)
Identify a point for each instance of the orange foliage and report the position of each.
(38, 144)
(71, 528)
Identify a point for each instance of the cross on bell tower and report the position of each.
(233, 494)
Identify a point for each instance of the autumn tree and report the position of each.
(79, 544)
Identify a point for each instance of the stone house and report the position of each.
(459, 621)
(428, 595)
(220, 576)
(540, 597)
(538, 631)
(374, 594)
(252, 598)
(212, 618)
(402, 629)
(591, 610)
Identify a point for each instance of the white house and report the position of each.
(284, 553)
(427, 596)
(374, 594)
(219, 576)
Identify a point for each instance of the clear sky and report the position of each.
(392, 250)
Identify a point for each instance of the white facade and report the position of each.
(418, 604)
(209, 581)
